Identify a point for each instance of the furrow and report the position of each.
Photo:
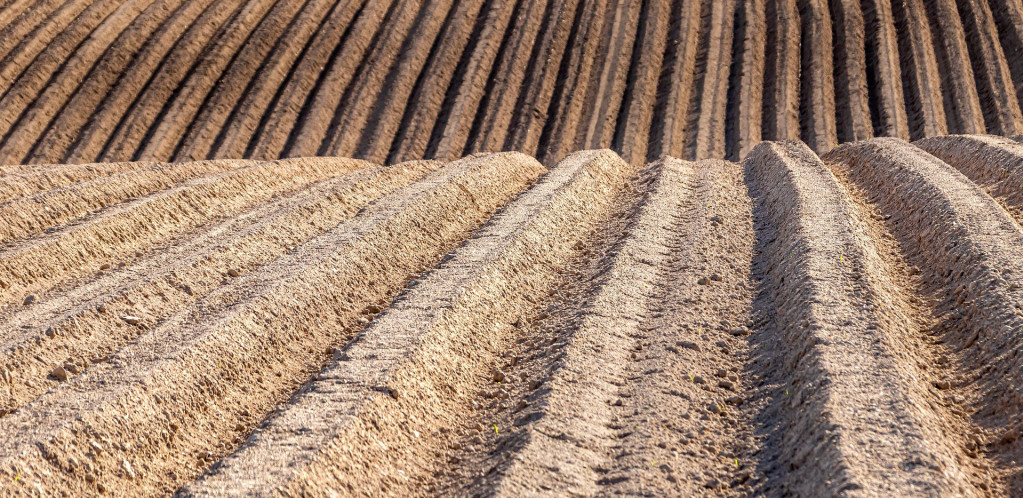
(781, 71)
(422, 363)
(43, 95)
(35, 265)
(423, 91)
(242, 92)
(817, 85)
(705, 134)
(80, 93)
(204, 48)
(31, 72)
(513, 67)
(232, 60)
(921, 79)
(474, 79)
(962, 105)
(369, 118)
(621, 406)
(533, 110)
(636, 114)
(246, 347)
(744, 123)
(614, 61)
(379, 25)
(995, 88)
(454, 45)
(994, 163)
(347, 32)
(852, 101)
(43, 177)
(967, 250)
(14, 13)
(32, 34)
(833, 346)
(571, 103)
(83, 325)
(1008, 18)
(675, 86)
(149, 81)
(884, 71)
(31, 215)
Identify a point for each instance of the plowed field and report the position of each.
(395, 80)
(788, 325)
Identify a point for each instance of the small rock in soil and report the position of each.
(31, 298)
(725, 384)
(739, 331)
(942, 384)
(497, 375)
(105, 267)
(127, 469)
(715, 277)
(698, 379)
(50, 332)
(233, 272)
(618, 402)
(60, 374)
(688, 345)
(703, 281)
(131, 320)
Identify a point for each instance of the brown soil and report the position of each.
(395, 80)
(506, 248)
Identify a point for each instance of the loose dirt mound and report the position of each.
(794, 324)
(397, 80)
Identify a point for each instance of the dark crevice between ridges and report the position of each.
(342, 103)
(452, 93)
(384, 95)
(52, 119)
(735, 73)
(58, 71)
(33, 31)
(989, 103)
(700, 70)
(769, 103)
(417, 89)
(168, 104)
(1012, 44)
(523, 108)
(236, 110)
(133, 106)
(553, 107)
(944, 67)
(840, 63)
(630, 81)
(872, 38)
(250, 149)
(806, 53)
(488, 89)
(665, 82)
(907, 61)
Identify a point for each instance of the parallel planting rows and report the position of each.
(793, 324)
(396, 80)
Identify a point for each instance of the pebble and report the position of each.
(698, 379)
(497, 375)
(60, 374)
(715, 277)
(721, 372)
(618, 402)
(726, 384)
(105, 267)
(233, 272)
(942, 384)
(688, 345)
(703, 281)
(71, 367)
(738, 331)
(131, 320)
(50, 332)
(31, 298)
(127, 469)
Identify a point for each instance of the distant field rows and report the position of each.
(395, 80)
